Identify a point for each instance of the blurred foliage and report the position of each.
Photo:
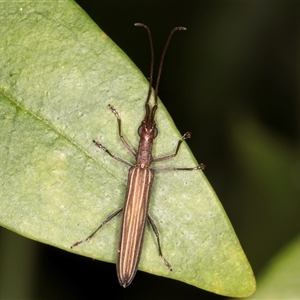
(280, 279)
(235, 85)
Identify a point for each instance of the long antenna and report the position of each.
(152, 59)
(161, 59)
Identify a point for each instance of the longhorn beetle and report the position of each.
(140, 179)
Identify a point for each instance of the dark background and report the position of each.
(233, 80)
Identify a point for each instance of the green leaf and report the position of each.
(59, 72)
(281, 278)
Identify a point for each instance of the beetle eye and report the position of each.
(140, 130)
